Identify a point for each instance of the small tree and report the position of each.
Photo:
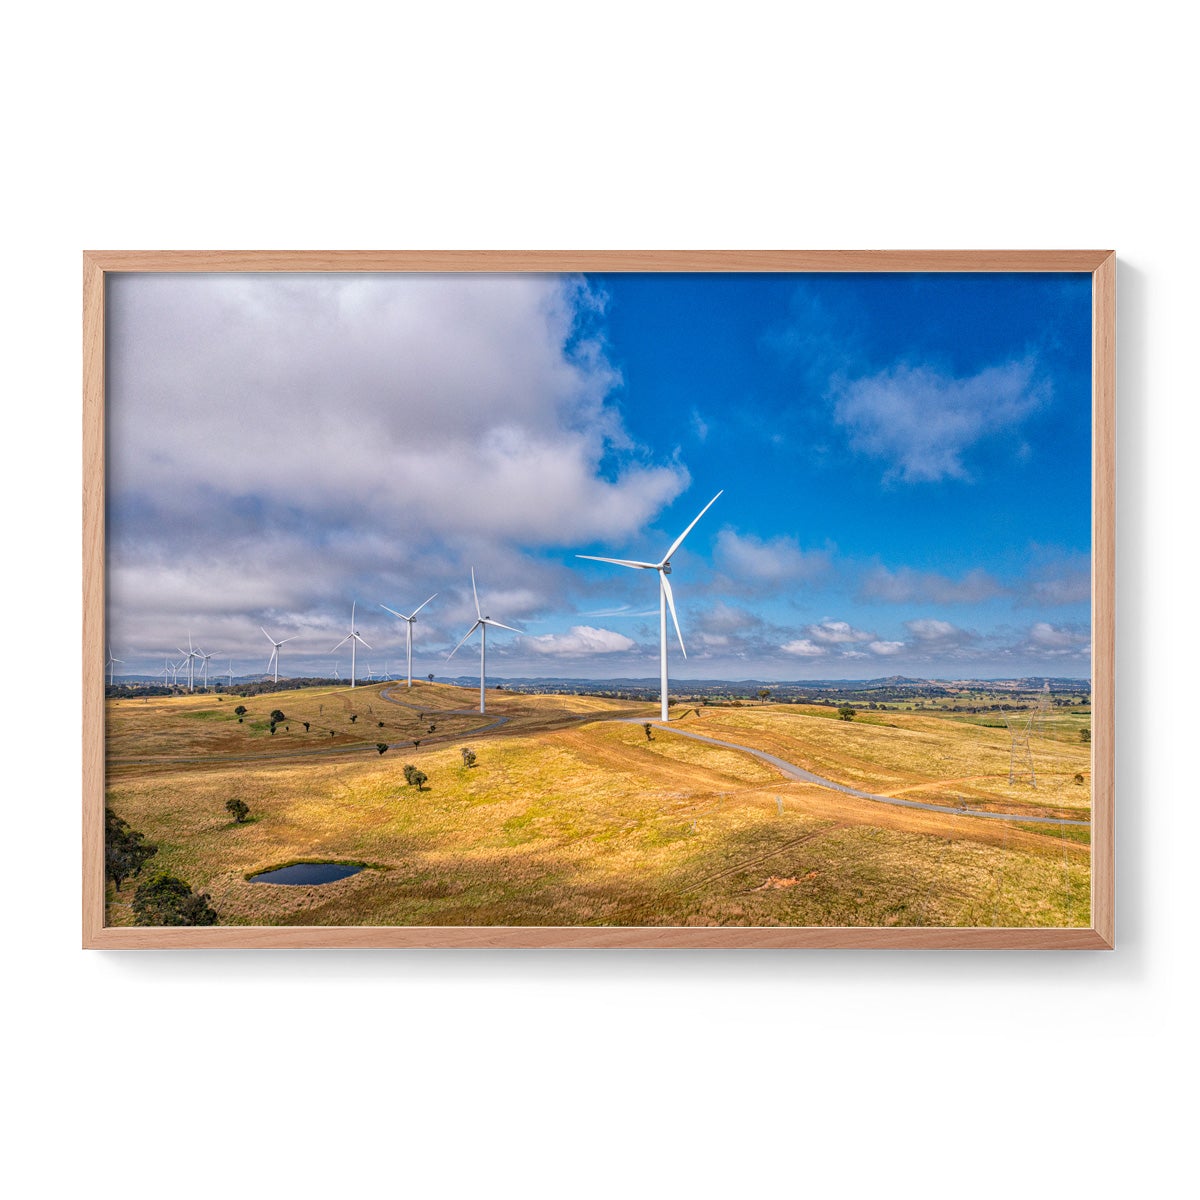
(272, 728)
(649, 731)
(409, 772)
(416, 743)
(167, 900)
(381, 747)
(239, 809)
(277, 716)
(353, 718)
(240, 711)
(305, 726)
(430, 678)
(1085, 735)
(380, 725)
(845, 713)
(763, 693)
(126, 850)
(468, 756)
(420, 779)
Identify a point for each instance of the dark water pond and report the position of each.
(307, 873)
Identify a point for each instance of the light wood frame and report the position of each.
(1100, 264)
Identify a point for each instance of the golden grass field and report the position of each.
(570, 819)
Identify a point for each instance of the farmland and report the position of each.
(572, 815)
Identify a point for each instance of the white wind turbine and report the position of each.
(112, 662)
(231, 672)
(665, 597)
(166, 670)
(336, 673)
(189, 659)
(354, 640)
(273, 661)
(481, 624)
(408, 630)
(204, 664)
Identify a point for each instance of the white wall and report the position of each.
(606, 125)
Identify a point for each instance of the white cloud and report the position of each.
(751, 560)
(905, 585)
(836, 633)
(803, 648)
(929, 630)
(921, 422)
(581, 641)
(885, 648)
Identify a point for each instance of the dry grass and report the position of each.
(569, 823)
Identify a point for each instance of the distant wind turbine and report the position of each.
(665, 597)
(189, 659)
(408, 624)
(481, 624)
(204, 664)
(336, 672)
(231, 672)
(112, 662)
(273, 661)
(166, 670)
(354, 640)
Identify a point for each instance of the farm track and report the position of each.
(799, 773)
(754, 862)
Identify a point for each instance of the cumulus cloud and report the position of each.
(836, 633)
(885, 648)
(929, 631)
(905, 585)
(581, 641)
(750, 560)
(921, 422)
(804, 648)
(1058, 578)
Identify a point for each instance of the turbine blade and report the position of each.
(679, 540)
(341, 643)
(671, 605)
(267, 636)
(358, 639)
(620, 562)
(393, 612)
(500, 625)
(474, 593)
(420, 606)
(463, 642)
(291, 639)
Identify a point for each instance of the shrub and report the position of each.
(1078, 778)
(381, 747)
(277, 716)
(409, 772)
(353, 718)
(468, 756)
(845, 713)
(649, 731)
(239, 809)
(1085, 735)
(240, 711)
(167, 900)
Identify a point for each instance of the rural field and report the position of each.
(572, 815)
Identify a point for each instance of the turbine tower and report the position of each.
(665, 596)
(408, 629)
(204, 664)
(273, 661)
(354, 640)
(166, 670)
(481, 624)
(112, 662)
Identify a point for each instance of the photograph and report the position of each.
(598, 598)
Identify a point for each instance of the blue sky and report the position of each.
(905, 463)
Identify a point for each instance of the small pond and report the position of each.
(307, 874)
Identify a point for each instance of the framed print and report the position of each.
(612, 599)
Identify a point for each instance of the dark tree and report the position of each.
(430, 678)
(126, 850)
(240, 711)
(166, 900)
(763, 693)
(420, 779)
(239, 809)
(468, 756)
(1085, 735)
(380, 724)
(416, 743)
(277, 716)
(409, 772)
(305, 726)
(272, 728)
(649, 731)
(381, 747)
(845, 712)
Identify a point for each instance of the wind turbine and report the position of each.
(336, 673)
(408, 629)
(189, 657)
(665, 597)
(166, 670)
(112, 662)
(481, 624)
(204, 661)
(353, 638)
(273, 661)
(231, 672)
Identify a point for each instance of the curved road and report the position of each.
(794, 772)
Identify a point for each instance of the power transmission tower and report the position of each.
(1022, 726)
